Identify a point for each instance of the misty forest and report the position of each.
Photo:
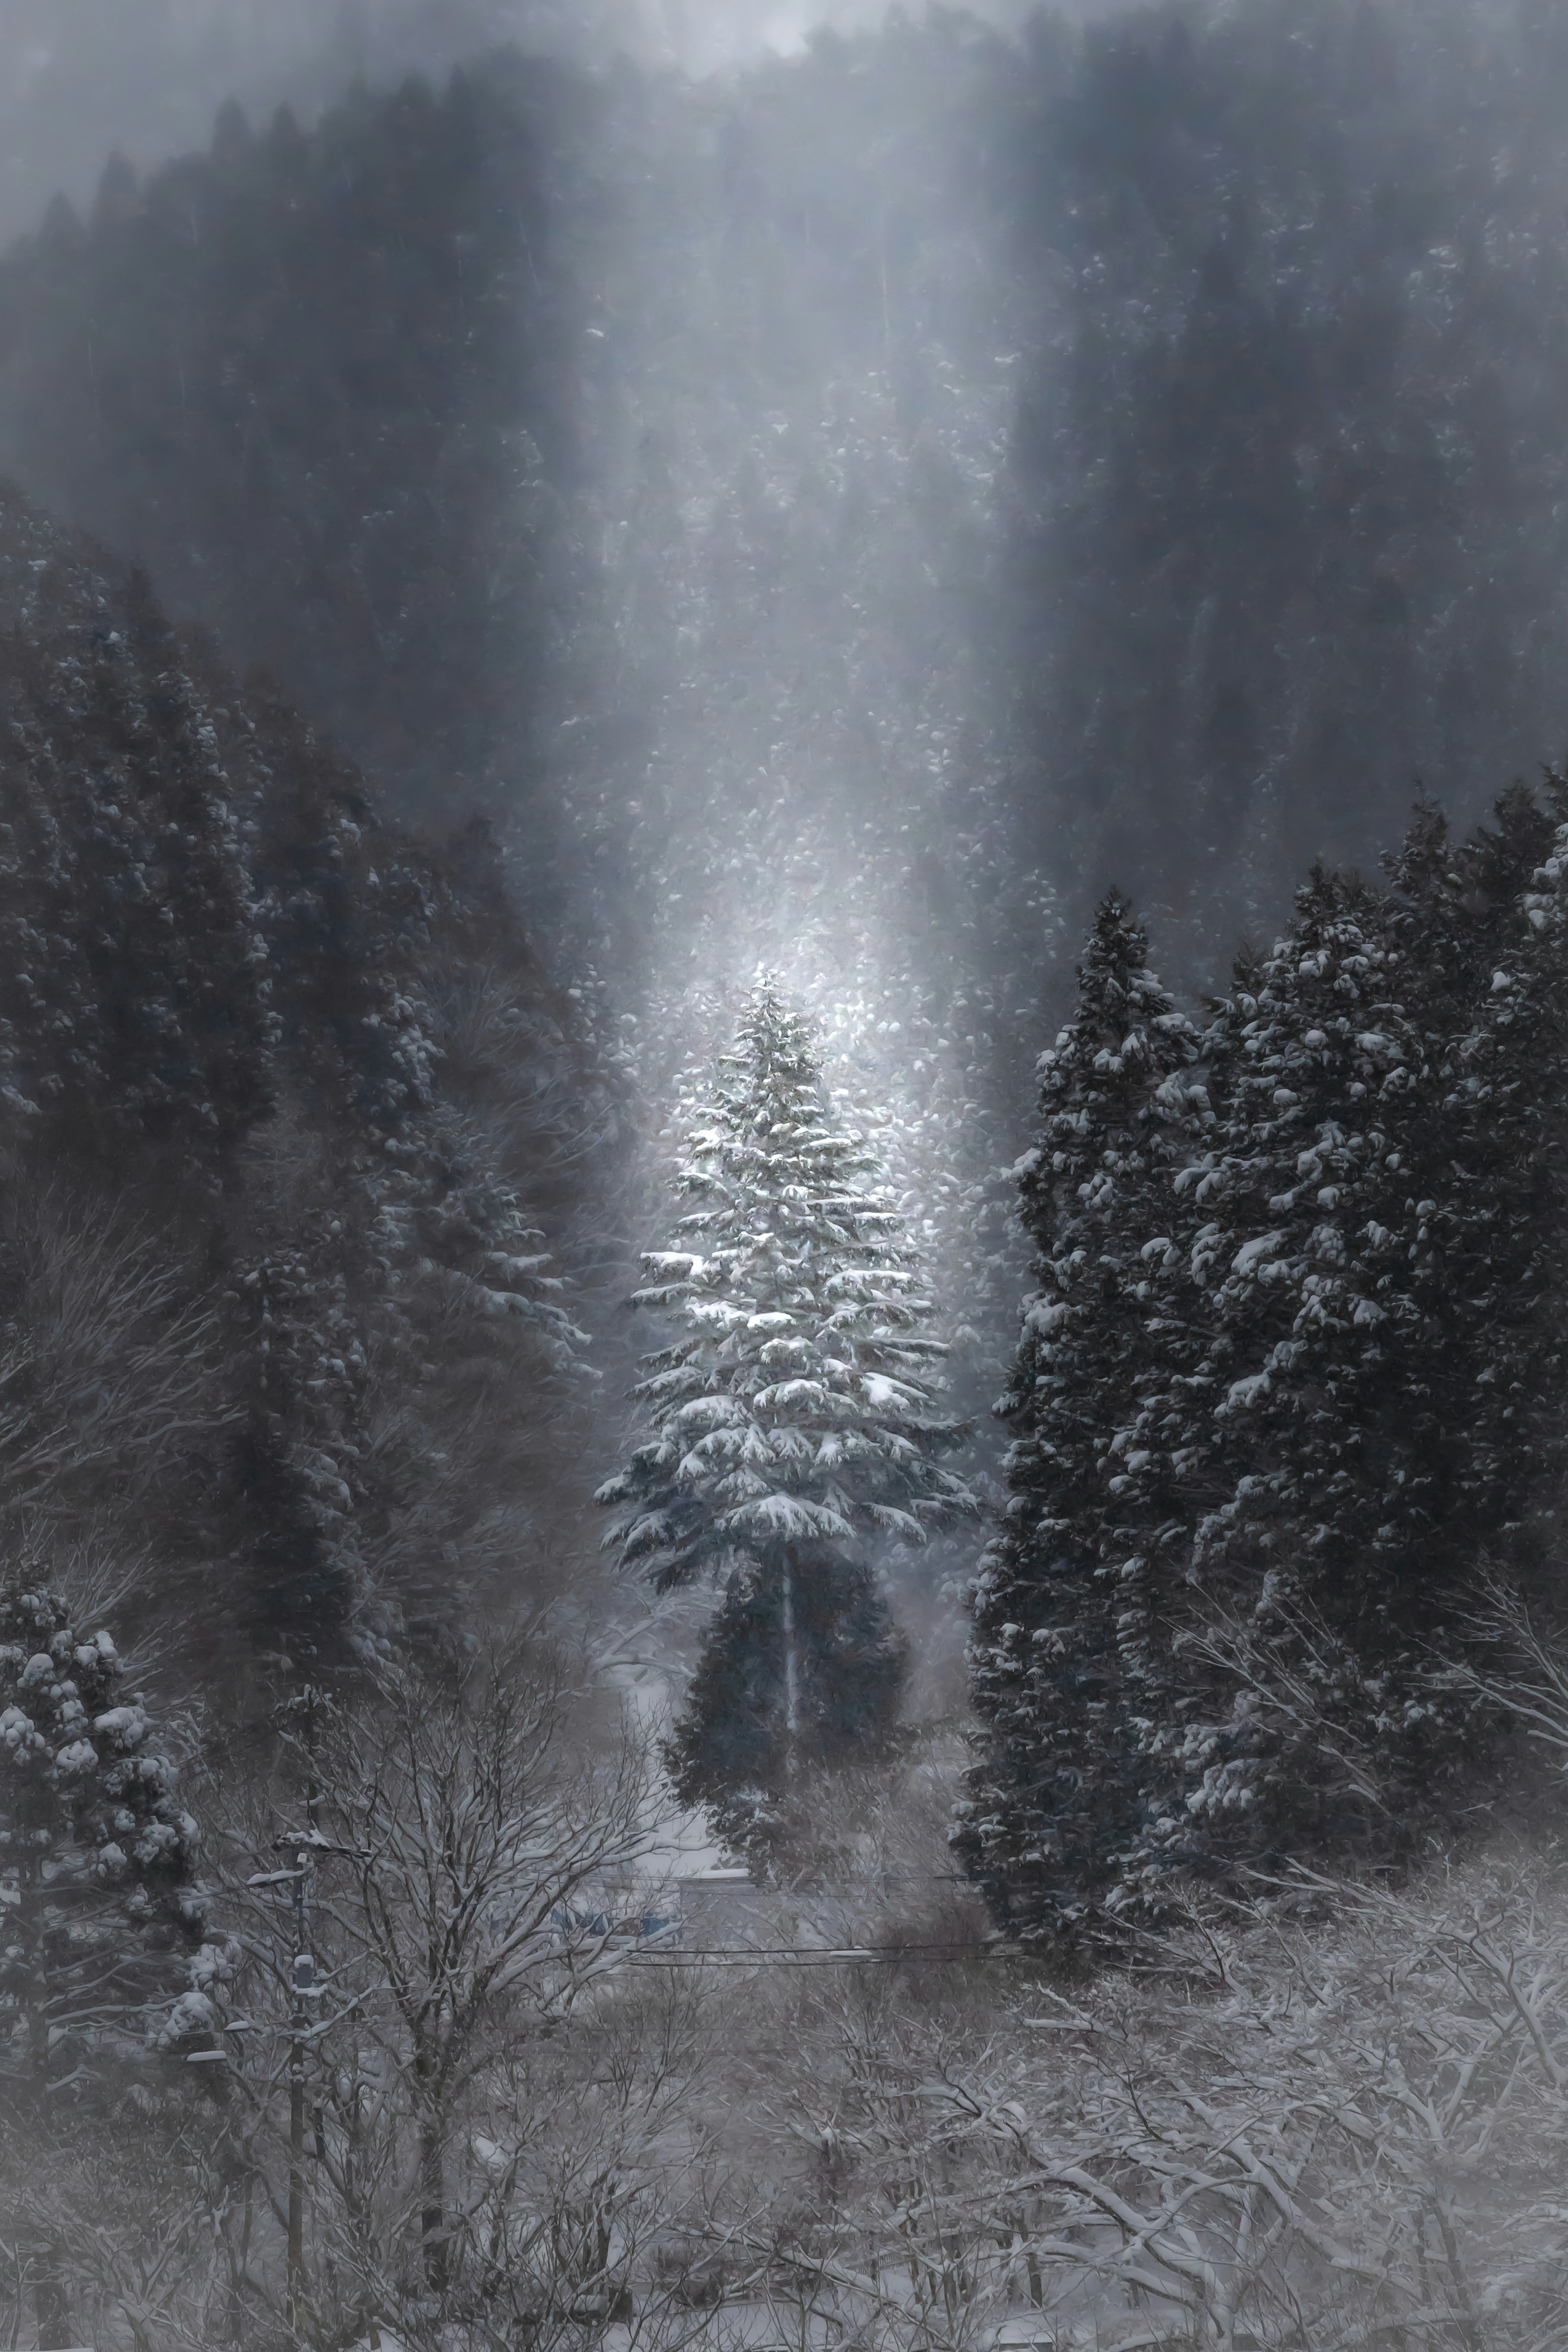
(783, 1109)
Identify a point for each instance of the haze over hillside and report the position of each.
(81, 77)
(885, 688)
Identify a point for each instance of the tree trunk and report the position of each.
(51, 2295)
(791, 1673)
(433, 2208)
(51, 2301)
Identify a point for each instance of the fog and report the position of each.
(832, 694)
(883, 581)
(779, 732)
(723, 510)
(81, 79)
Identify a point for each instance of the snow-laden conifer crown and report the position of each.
(799, 1403)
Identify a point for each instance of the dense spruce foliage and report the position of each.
(104, 1852)
(1285, 495)
(792, 1427)
(102, 1917)
(284, 1094)
(1122, 1105)
(1292, 1378)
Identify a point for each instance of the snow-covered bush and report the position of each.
(97, 1852)
(101, 1925)
(1333, 2118)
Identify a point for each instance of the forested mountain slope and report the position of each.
(851, 513)
(1286, 504)
(285, 1095)
(322, 383)
(1129, 455)
(844, 512)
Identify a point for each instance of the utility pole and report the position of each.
(303, 1978)
(306, 1846)
(304, 1988)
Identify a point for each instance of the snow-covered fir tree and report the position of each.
(793, 1426)
(1487, 984)
(1066, 1646)
(1285, 1384)
(1376, 1221)
(1302, 1404)
(104, 1954)
(96, 1851)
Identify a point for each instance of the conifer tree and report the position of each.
(1293, 1374)
(1510, 1242)
(229, 994)
(1308, 1310)
(1487, 986)
(133, 1012)
(389, 1229)
(103, 1923)
(1067, 1603)
(95, 1847)
(1379, 1244)
(793, 1425)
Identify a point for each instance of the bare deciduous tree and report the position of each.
(470, 1851)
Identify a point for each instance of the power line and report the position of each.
(810, 1955)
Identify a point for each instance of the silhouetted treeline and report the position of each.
(321, 384)
(1287, 503)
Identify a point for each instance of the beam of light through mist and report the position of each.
(797, 395)
(803, 384)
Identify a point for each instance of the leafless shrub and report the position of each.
(467, 1856)
(1333, 2116)
(1328, 2117)
(1518, 1666)
(106, 1364)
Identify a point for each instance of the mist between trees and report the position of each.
(341, 1992)
(1330, 2115)
(632, 625)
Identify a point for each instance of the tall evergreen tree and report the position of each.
(134, 1009)
(1066, 1603)
(1381, 1242)
(793, 1425)
(1314, 1337)
(1294, 1372)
